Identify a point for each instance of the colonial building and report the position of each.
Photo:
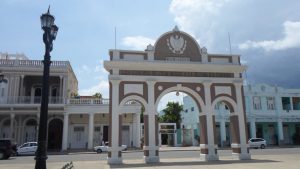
(273, 113)
(73, 123)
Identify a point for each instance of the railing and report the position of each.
(6, 62)
(30, 100)
(58, 100)
(32, 63)
(87, 101)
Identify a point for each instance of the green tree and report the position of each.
(98, 95)
(172, 113)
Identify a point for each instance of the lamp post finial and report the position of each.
(48, 10)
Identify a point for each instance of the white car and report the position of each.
(100, 149)
(28, 148)
(257, 143)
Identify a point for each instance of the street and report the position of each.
(136, 155)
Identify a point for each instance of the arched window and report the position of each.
(54, 94)
(37, 94)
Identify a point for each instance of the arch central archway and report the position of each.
(175, 63)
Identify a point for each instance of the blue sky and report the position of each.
(266, 33)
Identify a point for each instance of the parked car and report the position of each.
(7, 148)
(104, 148)
(257, 143)
(28, 148)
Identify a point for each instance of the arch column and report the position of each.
(240, 147)
(151, 148)
(115, 128)
(208, 147)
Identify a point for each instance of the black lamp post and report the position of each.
(50, 31)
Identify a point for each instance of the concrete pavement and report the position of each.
(290, 161)
(261, 159)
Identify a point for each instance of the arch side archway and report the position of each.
(235, 123)
(231, 103)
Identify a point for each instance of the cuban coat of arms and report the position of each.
(176, 44)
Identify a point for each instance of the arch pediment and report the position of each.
(177, 45)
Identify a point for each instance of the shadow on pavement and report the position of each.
(191, 163)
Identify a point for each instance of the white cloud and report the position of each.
(137, 42)
(84, 69)
(291, 39)
(197, 17)
(102, 87)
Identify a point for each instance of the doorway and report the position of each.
(55, 130)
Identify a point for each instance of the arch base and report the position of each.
(209, 157)
(243, 156)
(153, 159)
(114, 160)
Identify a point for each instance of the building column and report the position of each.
(64, 88)
(12, 119)
(115, 123)
(240, 148)
(253, 128)
(280, 132)
(223, 131)
(19, 130)
(21, 94)
(136, 130)
(65, 132)
(61, 98)
(91, 131)
(208, 146)
(37, 124)
(151, 148)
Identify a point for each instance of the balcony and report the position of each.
(32, 63)
(88, 101)
(30, 100)
(53, 100)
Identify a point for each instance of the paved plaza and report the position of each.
(170, 158)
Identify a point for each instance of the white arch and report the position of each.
(134, 97)
(182, 89)
(7, 118)
(225, 98)
(29, 118)
(52, 118)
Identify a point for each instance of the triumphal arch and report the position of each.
(176, 62)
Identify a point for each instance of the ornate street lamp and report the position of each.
(50, 32)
